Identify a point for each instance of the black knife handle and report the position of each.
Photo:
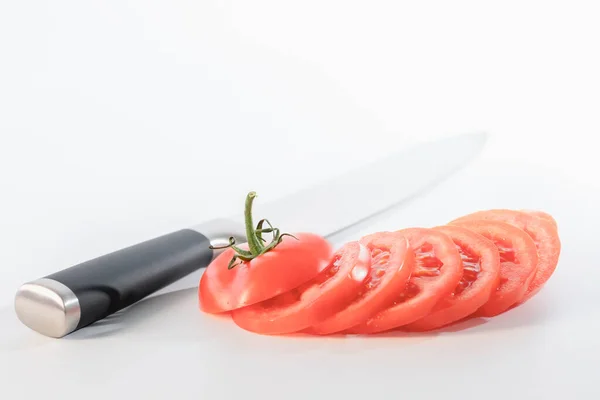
(78, 296)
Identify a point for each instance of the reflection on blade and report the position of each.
(332, 206)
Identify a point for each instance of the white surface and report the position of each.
(123, 120)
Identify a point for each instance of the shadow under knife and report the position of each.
(154, 315)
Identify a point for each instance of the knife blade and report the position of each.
(332, 206)
(75, 297)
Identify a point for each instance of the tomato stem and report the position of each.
(253, 243)
(254, 237)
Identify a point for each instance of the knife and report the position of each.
(73, 298)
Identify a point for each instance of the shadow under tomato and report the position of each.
(524, 315)
(459, 326)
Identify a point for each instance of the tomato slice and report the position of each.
(544, 234)
(518, 263)
(542, 215)
(290, 264)
(313, 301)
(437, 271)
(481, 276)
(392, 262)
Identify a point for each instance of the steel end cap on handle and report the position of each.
(48, 307)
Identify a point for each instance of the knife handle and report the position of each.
(75, 297)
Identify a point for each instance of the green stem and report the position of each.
(253, 242)
(254, 237)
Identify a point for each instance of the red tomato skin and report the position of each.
(390, 270)
(313, 301)
(290, 264)
(515, 277)
(542, 228)
(431, 289)
(462, 303)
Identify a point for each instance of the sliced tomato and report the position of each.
(313, 301)
(481, 276)
(518, 263)
(258, 270)
(392, 261)
(437, 271)
(542, 215)
(544, 234)
(290, 264)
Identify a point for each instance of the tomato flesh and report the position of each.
(392, 262)
(541, 227)
(543, 215)
(481, 274)
(313, 301)
(437, 271)
(518, 263)
(290, 264)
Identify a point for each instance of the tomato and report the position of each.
(256, 271)
(286, 267)
(481, 275)
(518, 263)
(392, 262)
(544, 234)
(437, 271)
(542, 215)
(313, 301)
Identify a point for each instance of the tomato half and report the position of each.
(481, 276)
(518, 263)
(542, 229)
(313, 301)
(392, 261)
(290, 264)
(437, 271)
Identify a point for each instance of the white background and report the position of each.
(123, 120)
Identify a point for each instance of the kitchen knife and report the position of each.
(78, 296)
